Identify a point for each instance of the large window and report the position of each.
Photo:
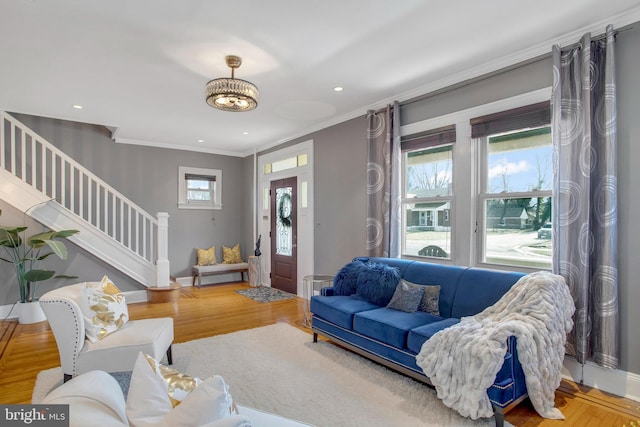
(514, 200)
(427, 193)
(477, 185)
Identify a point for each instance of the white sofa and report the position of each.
(95, 398)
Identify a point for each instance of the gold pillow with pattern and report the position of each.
(104, 309)
(179, 385)
(231, 255)
(207, 256)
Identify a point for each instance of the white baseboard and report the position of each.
(614, 381)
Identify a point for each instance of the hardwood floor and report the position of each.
(25, 350)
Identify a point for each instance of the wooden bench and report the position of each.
(209, 270)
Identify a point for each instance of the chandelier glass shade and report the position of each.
(231, 94)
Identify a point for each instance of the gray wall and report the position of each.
(149, 177)
(339, 193)
(628, 64)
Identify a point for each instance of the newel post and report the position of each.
(162, 264)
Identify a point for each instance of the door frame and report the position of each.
(305, 203)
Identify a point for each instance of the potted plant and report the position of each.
(26, 253)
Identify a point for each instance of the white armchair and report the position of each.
(114, 353)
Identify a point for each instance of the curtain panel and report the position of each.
(584, 193)
(383, 182)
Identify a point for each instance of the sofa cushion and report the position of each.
(447, 276)
(377, 283)
(417, 336)
(339, 309)
(390, 326)
(481, 288)
(407, 297)
(346, 280)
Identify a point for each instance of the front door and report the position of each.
(284, 253)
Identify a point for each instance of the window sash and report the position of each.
(529, 116)
(431, 138)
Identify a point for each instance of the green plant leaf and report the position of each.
(63, 234)
(10, 237)
(58, 248)
(38, 275)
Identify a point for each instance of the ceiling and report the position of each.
(140, 67)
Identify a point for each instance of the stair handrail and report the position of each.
(48, 185)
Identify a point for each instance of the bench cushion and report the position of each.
(219, 268)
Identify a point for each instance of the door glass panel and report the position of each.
(284, 244)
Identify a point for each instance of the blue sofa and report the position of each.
(346, 314)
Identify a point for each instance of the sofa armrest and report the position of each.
(94, 395)
(327, 291)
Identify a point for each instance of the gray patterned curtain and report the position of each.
(383, 182)
(584, 193)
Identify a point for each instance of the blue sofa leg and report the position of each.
(498, 414)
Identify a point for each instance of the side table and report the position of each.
(310, 285)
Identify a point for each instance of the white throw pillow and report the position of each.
(149, 401)
(104, 309)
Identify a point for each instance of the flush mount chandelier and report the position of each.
(231, 94)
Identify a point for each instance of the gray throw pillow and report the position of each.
(406, 297)
(430, 300)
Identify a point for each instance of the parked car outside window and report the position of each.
(544, 232)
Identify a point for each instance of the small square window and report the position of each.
(199, 188)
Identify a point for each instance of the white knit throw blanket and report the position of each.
(462, 361)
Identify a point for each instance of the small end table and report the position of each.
(310, 285)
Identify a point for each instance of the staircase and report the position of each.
(41, 181)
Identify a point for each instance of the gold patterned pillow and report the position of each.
(179, 385)
(231, 255)
(207, 256)
(104, 309)
(159, 395)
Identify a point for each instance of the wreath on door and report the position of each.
(284, 210)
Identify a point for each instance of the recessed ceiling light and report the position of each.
(200, 140)
(77, 106)
(245, 133)
(338, 89)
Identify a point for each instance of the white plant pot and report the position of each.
(30, 312)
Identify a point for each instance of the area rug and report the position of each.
(265, 294)
(279, 369)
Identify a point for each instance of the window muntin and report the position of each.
(428, 178)
(516, 197)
